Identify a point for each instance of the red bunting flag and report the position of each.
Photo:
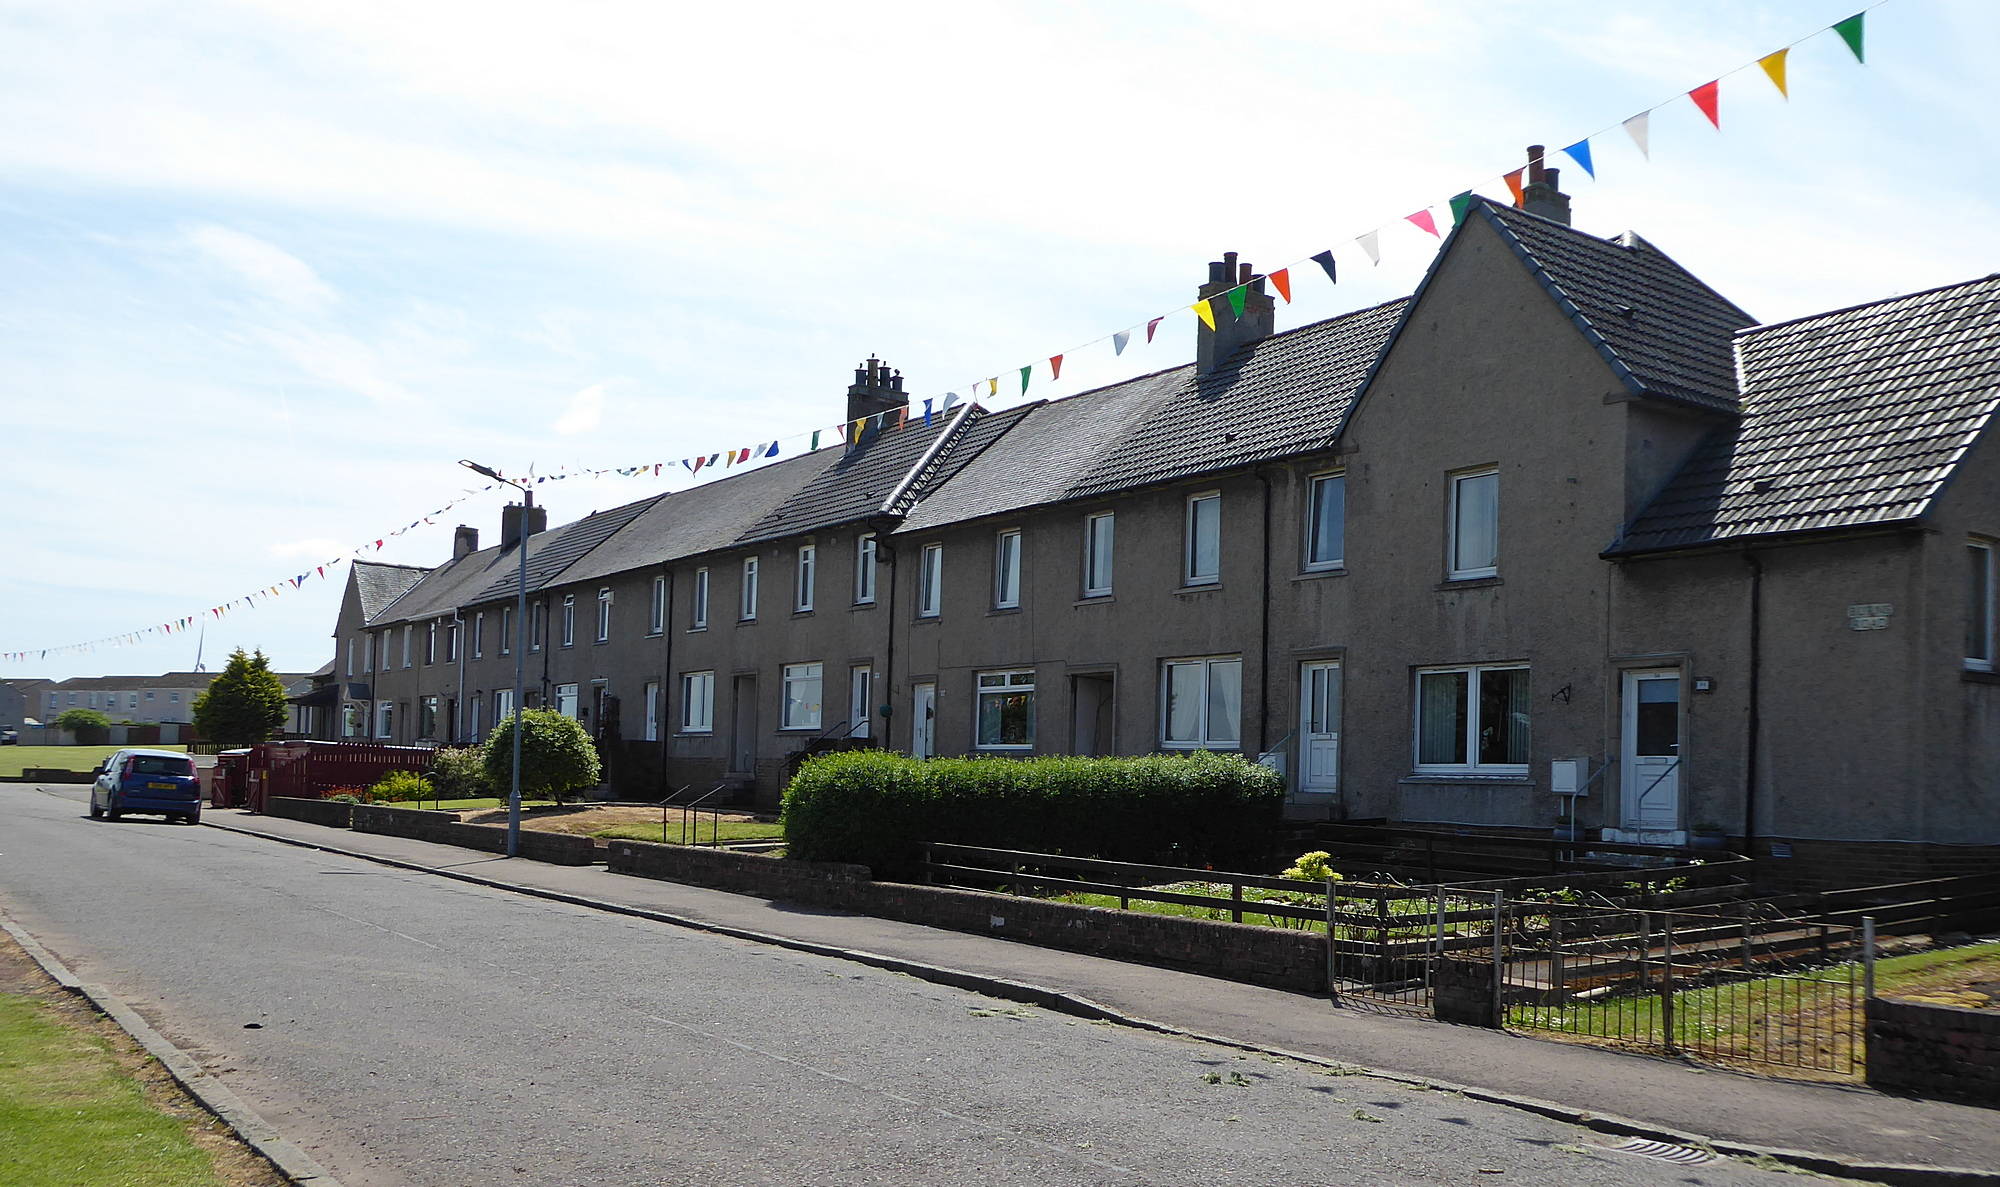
(1708, 97)
(1514, 187)
(1153, 325)
(1282, 281)
(1423, 221)
(1055, 366)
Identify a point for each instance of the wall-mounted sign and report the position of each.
(1869, 616)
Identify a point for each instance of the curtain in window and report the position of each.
(1441, 717)
(1225, 701)
(1183, 702)
(1503, 717)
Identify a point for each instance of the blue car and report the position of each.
(149, 781)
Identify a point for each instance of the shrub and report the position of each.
(557, 757)
(459, 772)
(879, 809)
(401, 786)
(1316, 866)
(346, 797)
(82, 719)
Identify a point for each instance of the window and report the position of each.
(427, 717)
(72, 698)
(930, 581)
(174, 698)
(1202, 564)
(652, 711)
(538, 625)
(1201, 703)
(603, 615)
(353, 722)
(748, 611)
(409, 631)
(569, 620)
(1004, 718)
(149, 699)
(350, 657)
(697, 702)
(479, 638)
(801, 710)
(864, 569)
(1475, 525)
(1981, 620)
(698, 604)
(503, 705)
(1473, 720)
(1326, 522)
(451, 642)
(860, 699)
(430, 643)
(385, 719)
(472, 718)
(656, 610)
(506, 630)
(1007, 570)
(803, 593)
(1097, 531)
(567, 702)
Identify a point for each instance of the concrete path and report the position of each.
(1859, 1126)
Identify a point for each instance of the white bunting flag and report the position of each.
(1119, 340)
(1371, 246)
(1638, 127)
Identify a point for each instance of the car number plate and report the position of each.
(161, 787)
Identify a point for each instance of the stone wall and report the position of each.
(331, 813)
(443, 828)
(1462, 992)
(1294, 960)
(1934, 1050)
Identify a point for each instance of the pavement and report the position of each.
(1837, 1129)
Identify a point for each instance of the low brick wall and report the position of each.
(52, 775)
(1282, 959)
(443, 828)
(1934, 1050)
(1462, 992)
(331, 813)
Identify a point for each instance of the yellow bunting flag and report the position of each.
(1774, 66)
(1204, 312)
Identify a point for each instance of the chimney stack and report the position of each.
(1540, 195)
(876, 388)
(512, 525)
(464, 541)
(1214, 347)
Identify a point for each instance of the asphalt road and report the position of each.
(406, 1029)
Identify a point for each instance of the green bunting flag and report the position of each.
(1236, 297)
(1024, 377)
(1850, 32)
(1460, 204)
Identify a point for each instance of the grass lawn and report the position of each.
(731, 830)
(15, 759)
(482, 804)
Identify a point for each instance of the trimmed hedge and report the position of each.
(879, 809)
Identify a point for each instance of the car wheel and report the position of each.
(96, 813)
(192, 818)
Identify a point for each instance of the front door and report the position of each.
(923, 720)
(743, 726)
(1651, 751)
(1319, 728)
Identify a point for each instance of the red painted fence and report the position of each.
(312, 770)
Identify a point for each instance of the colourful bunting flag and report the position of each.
(1850, 32)
(1708, 97)
(1580, 153)
(1282, 281)
(815, 441)
(951, 398)
(1460, 205)
(993, 387)
(1371, 243)
(1202, 311)
(1153, 325)
(927, 418)
(1119, 340)
(1325, 260)
(1236, 297)
(1640, 128)
(1514, 186)
(1055, 366)
(1423, 221)
(1774, 69)
(1024, 376)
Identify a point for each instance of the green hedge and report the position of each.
(878, 809)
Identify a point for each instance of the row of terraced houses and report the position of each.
(1564, 528)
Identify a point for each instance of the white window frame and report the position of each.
(1097, 577)
(1471, 765)
(746, 611)
(805, 579)
(810, 713)
(506, 630)
(479, 635)
(1190, 548)
(860, 700)
(473, 714)
(451, 642)
(503, 705)
(572, 695)
(656, 608)
(1003, 682)
(864, 569)
(652, 710)
(1458, 482)
(604, 615)
(350, 657)
(930, 581)
(1205, 737)
(1314, 484)
(698, 702)
(1975, 547)
(538, 625)
(430, 642)
(409, 650)
(385, 719)
(698, 602)
(569, 620)
(1007, 569)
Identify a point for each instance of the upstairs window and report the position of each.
(479, 637)
(864, 570)
(451, 643)
(604, 615)
(656, 609)
(1202, 554)
(806, 578)
(1326, 522)
(748, 612)
(430, 643)
(569, 620)
(1475, 525)
(409, 632)
(1981, 619)
(698, 602)
(1473, 720)
(506, 630)
(538, 625)
(1097, 538)
(1007, 570)
(930, 582)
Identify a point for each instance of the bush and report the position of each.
(459, 772)
(398, 787)
(879, 809)
(345, 796)
(76, 720)
(557, 757)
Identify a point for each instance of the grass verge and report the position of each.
(730, 830)
(16, 759)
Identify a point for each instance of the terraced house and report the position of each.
(1563, 536)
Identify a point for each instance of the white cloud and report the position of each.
(585, 411)
(269, 269)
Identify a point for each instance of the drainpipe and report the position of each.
(458, 711)
(886, 551)
(1264, 624)
(1752, 725)
(666, 683)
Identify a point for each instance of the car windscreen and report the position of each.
(160, 764)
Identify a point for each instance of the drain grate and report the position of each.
(1663, 1152)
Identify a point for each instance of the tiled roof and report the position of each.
(1284, 395)
(378, 584)
(1665, 332)
(1850, 419)
(553, 551)
(136, 683)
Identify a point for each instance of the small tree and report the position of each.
(243, 705)
(557, 757)
(75, 720)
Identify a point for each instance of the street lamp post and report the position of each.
(520, 650)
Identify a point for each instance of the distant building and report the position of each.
(165, 699)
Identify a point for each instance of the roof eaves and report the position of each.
(1744, 541)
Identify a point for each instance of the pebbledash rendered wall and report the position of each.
(1279, 958)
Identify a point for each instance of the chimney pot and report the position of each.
(878, 387)
(1214, 347)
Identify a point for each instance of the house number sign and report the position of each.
(1869, 616)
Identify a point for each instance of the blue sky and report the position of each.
(268, 269)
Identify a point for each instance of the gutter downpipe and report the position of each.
(1753, 724)
(458, 714)
(1264, 625)
(666, 682)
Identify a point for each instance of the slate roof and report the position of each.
(551, 552)
(378, 584)
(1851, 419)
(1665, 332)
(137, 683)
(1283, 395)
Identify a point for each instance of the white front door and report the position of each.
(1319, 728)
(1650, 752)
(923, 714)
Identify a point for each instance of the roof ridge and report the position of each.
(1746, 331)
